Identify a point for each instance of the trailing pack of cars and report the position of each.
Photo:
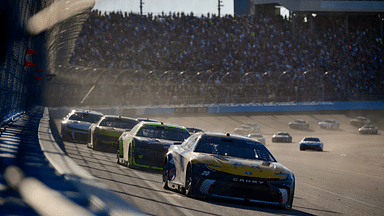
(200, 164)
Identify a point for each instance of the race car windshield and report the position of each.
(312, 139)
(85, 117)
(163, 132)
(234, 147)
(119, 123)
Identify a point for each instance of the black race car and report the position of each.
(146, 144)
(228, 166)
(104, 134)
(282, 137)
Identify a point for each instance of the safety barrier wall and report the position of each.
(22, 54)
(60, 112)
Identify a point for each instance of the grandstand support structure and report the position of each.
(298, 9)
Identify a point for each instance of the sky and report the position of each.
(198, 7)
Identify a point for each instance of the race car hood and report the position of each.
(110, 131)
(156, 141)
(244, 167)
(310, 142)
(280, 136)
(78, 124)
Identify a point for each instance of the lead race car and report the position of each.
(228, 166)
(146, 144)
(75, 125)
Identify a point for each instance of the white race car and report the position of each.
(74, 126)
(329, 124)
(360, 121)
(247, 129)
(368, 129)
(257, 137)
(299, 124)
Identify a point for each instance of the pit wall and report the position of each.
(60, 112)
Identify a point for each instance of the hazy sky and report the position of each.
(198, 7)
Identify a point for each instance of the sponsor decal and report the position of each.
(248, 173)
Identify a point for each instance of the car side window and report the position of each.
(188, 142)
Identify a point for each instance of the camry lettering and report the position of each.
(248, 181)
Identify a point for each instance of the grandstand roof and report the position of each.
(326, 6)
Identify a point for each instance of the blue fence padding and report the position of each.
(60, 112)
(291, 107)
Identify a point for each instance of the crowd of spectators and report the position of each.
(285, 67)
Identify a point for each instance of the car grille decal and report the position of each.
(204, 188)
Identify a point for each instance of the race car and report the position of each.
(247, 129)
(229, 166)
(281, 137)
(75, 125)
(311, 143)
(299, 124)
(146, 144)
(368, 129)
(360, 121)
(104, 134)
(329, 124)
(257, 137)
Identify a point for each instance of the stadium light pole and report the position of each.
(277, 84)
(141, 7)
(219, 6)
(322, 84)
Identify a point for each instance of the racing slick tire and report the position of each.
(165, 174)
(128, 162)
(319, 149)
(291, 199)
(302, 149)
(117, 157)
(189, 182)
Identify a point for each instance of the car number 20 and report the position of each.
(205, 173)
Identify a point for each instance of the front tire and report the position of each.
(165, 175)
(189, 182)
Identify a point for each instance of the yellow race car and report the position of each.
(223, 165)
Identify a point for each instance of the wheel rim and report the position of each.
(188, 182)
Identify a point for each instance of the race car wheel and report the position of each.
(319, 149)
(189, 182)
(117, 157)
(165, 174)
(301, 149)
(291, 199)
(128, 163)
(94, 144)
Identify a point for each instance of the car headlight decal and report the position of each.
(206, 186)
(283, 195)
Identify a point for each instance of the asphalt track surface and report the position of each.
(347, 178)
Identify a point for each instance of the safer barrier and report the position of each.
(60, 112)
